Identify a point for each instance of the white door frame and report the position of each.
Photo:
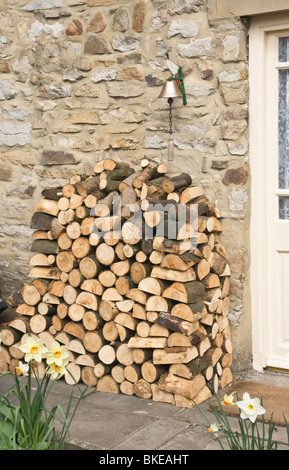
(260, 27)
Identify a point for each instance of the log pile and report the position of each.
(141, 311)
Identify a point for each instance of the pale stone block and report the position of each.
(178, 7)
(124, 90)
(14, 134)
(197, 48)
(39, 29)
(16, 229)
(73, 76)
(154, 142)
(119, 115)
(122, 42)
(59, 92)
(43, 5)
(232, 130)
(237, 198)
(7, 90)
(84, 118)
(18, 157)
(231, 44)
(125, 143)
(19, 114)
(235, 94)
(104, 75)
(158, 19)
(196, 129)
(187, 29)
(240, 148)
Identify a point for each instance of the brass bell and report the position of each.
(170, 90)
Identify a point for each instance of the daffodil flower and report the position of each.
(250, 407)
(213, 428)
(228, 400)
(33, 349)
(57, 354)
(22, 369)
(55, 371)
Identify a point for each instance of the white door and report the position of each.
(277, 156)
(270, 179)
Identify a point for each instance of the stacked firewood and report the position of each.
(130, 274)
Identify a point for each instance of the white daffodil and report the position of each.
(228, 400)
(56, 354)
(22, 369)
(33, 349)
(250, 407)
(213, 428)
(56, 371)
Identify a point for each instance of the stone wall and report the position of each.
(80, 80)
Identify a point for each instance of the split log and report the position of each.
(186, 388)
(161, 395)
(93, 341)
(177, 182)
(132, 373)
(74, 373)
(66, 261)
(52, 193)
(30, 294)
(174, 355)
(87, 186)
(117, 372)
(45, 246)
(190, 194)
(39, 323)
(151, 372)
(124, 355)
(107, 354)
(107, 384)
(92, 320)
(88, 377)
(75, 329)
(105, 254)
(41, 221)
(186, 292)
(92, 285)
(173, 274)
(176, 324)
(142, 389)
(139, 271)
(10, 336)
(145, 175)
(149, 342)
(101, 369)
(151, 285)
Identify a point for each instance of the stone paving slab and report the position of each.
(118, 423)
(153, 436)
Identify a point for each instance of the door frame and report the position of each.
(259, 244)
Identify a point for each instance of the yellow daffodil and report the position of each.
(22, 369)
(250, 407)
(228, 400)
(33, 349)
(57, 354)
(213, 428)
(56, 371)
